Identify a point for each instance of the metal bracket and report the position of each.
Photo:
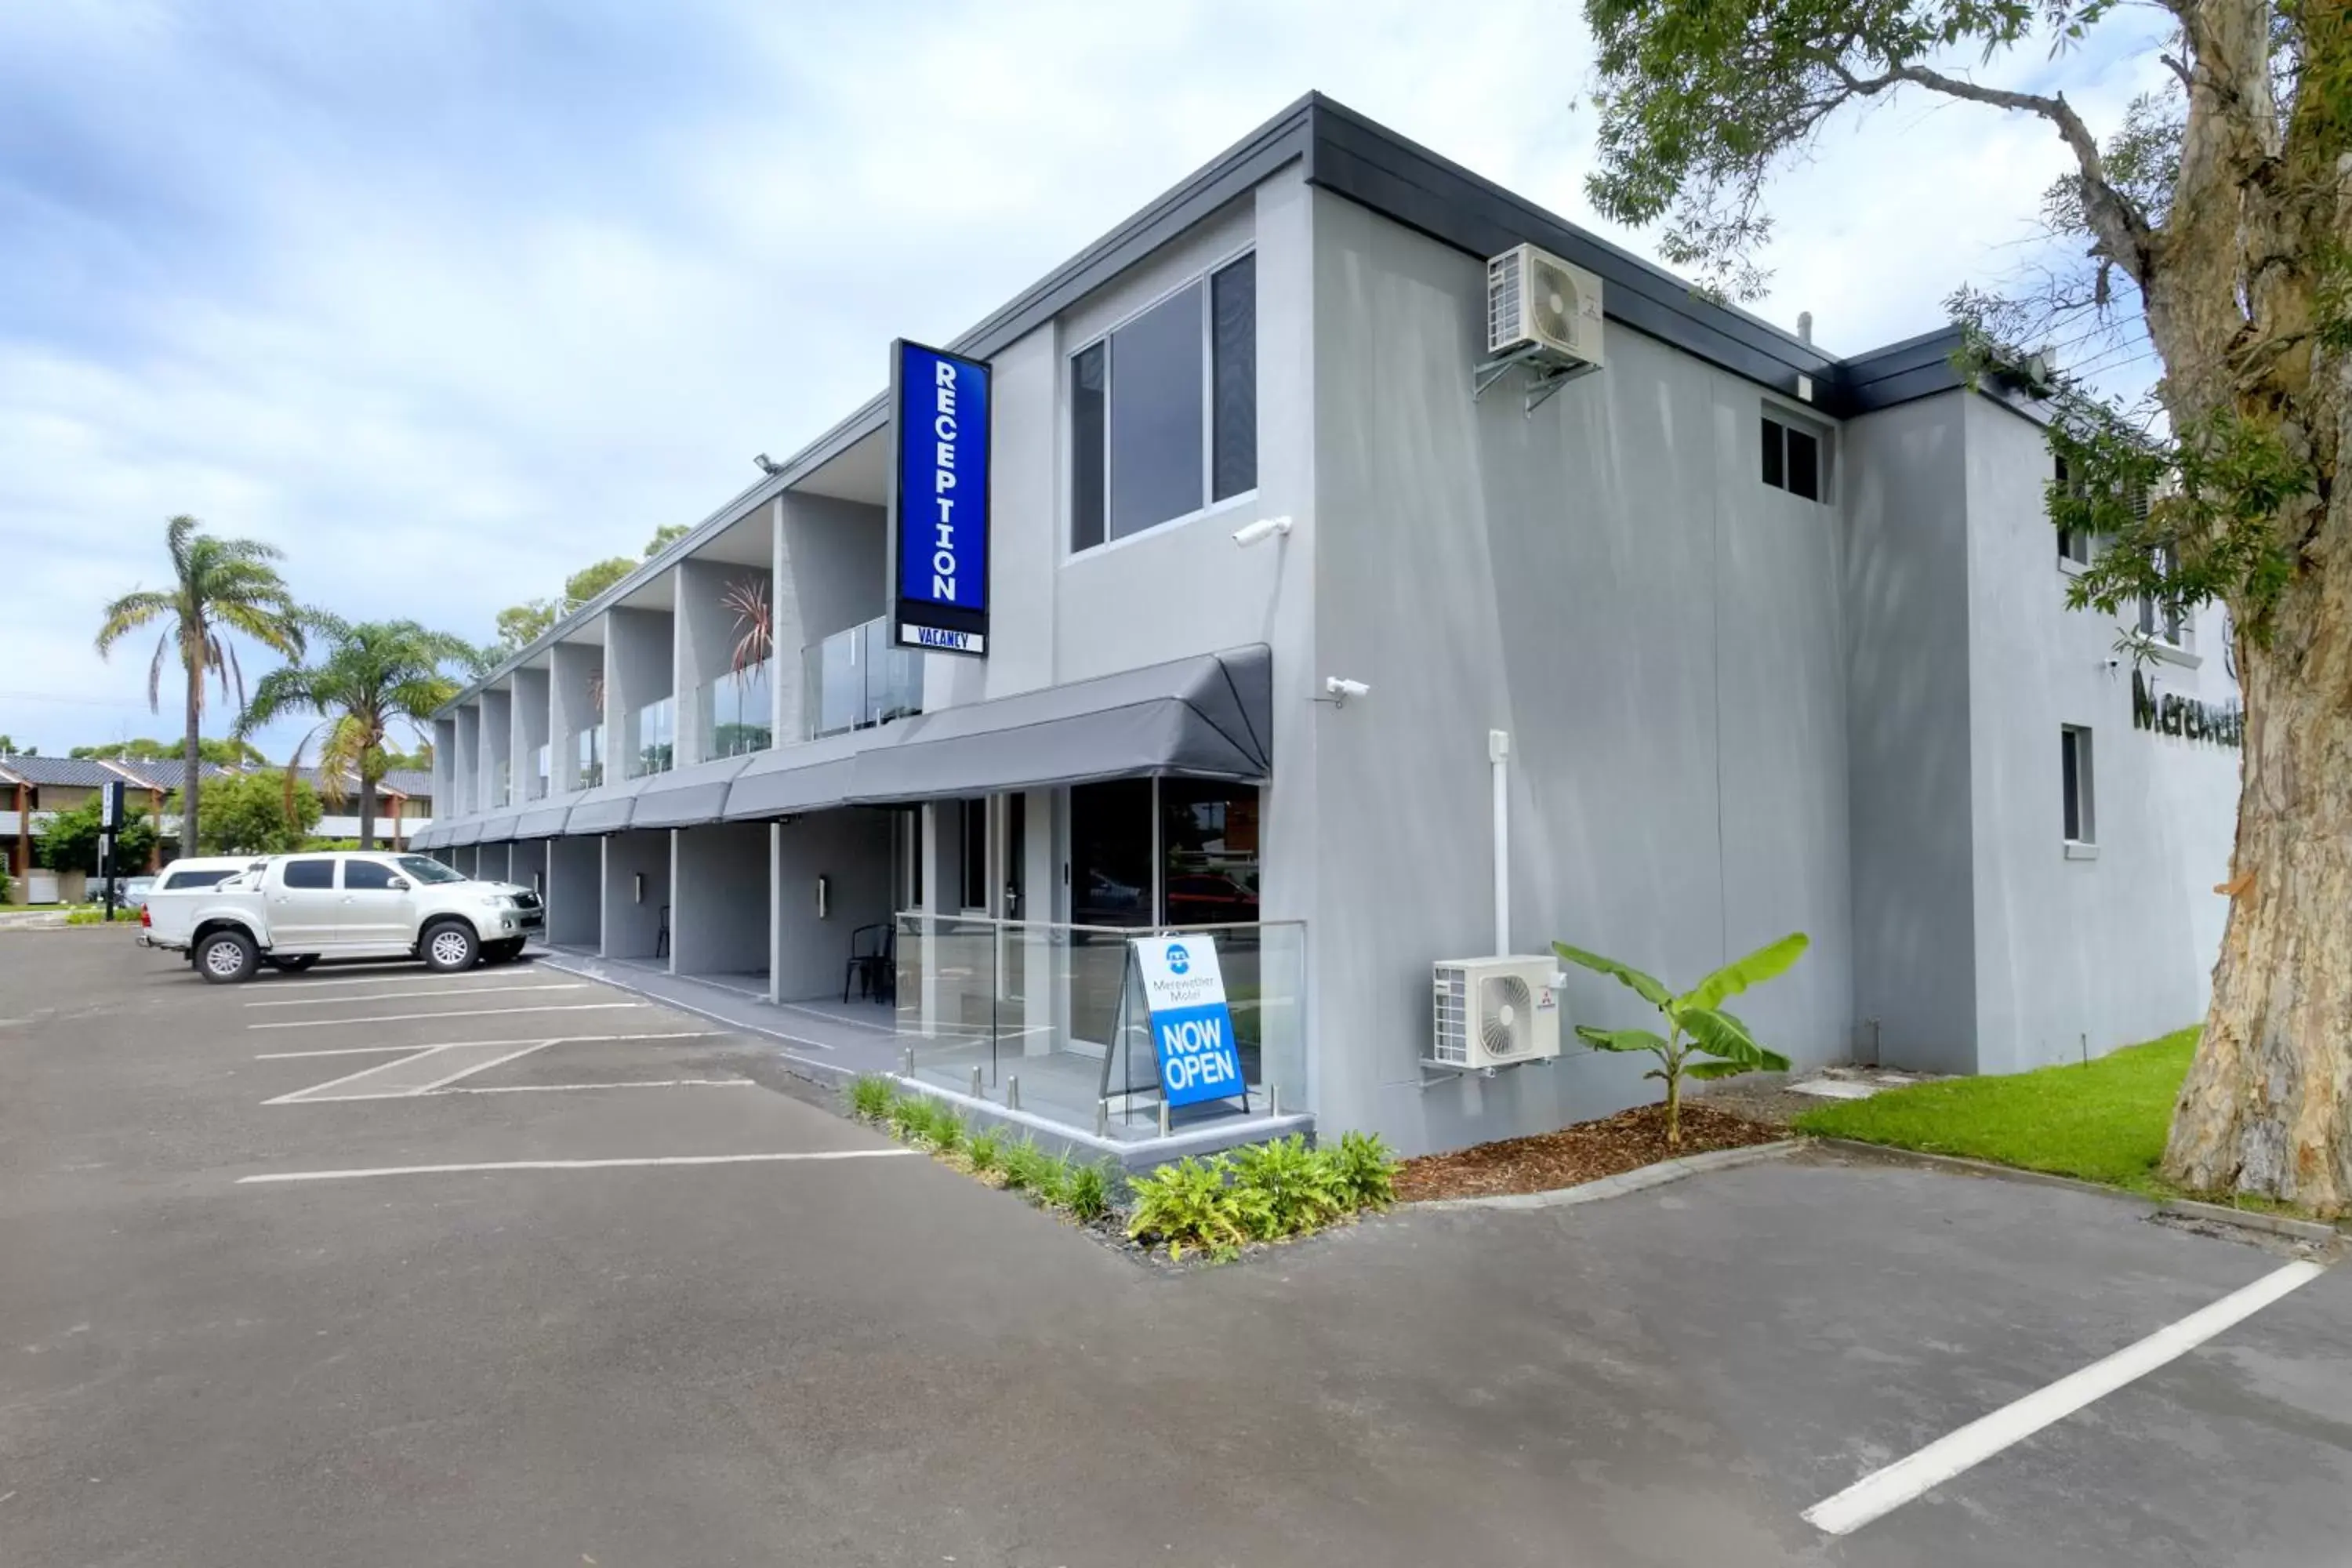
(1546, 374)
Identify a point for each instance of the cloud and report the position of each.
(447, 300)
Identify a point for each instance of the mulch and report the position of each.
(1584, 1152)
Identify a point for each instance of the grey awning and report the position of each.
(544, 821)
(1209, 716)
(428, 836)
(688, 798)
(466, 830)
(605, 810)
(809, 777)
(499, 827)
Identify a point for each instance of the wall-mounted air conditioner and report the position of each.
(1493, 1013)
(1536, 301)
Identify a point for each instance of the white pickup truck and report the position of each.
(294, 909)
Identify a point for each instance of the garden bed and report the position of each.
(1574, 1155)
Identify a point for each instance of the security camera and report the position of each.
(768, 465)
(1339, 688)
(1265, 528)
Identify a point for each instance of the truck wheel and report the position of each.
(448, 946)
(225, 957)
(296, 964)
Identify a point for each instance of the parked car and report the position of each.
(294, 909)
(132, 892)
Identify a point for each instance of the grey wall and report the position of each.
(531, 718)
(1609, 581)
(631, 925)
(572, 680)
(467, 773)
(720, 924)
(575, 892)
(498, 743)
(851, 848)
(831, 570)
(525, 860)
(706, 635)
(445, 767)
(638, 672)
(1907, 678)
(2102, 952)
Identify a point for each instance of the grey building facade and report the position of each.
(1778, 639)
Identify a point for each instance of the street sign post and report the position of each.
(111, 807)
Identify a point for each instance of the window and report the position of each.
(2073, 543)
(1792, 459)
(175, 880)
(1163, 412)
(2157, 622)
(976, 853)
(424, 868)
(366, 874)
(309, 873)
(2074, 771)
(1209, 864)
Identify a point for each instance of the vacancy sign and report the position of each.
(1190, 1027)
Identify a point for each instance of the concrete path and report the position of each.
(462, 1277)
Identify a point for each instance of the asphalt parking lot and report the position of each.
(511, 1266)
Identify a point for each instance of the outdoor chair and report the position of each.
(873, 962)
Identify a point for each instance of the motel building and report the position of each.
(1343, 573)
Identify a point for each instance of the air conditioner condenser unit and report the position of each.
(1493, 1013)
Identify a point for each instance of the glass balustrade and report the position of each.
(591, 756)
(736, 711)
(980, 1003)
(654, 727)
(502, 783)
(538, 771)
(854, 680)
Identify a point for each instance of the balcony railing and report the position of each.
(538, 771)
(591, 742)
(738, 711)
(854, 680)
(654, 729)
(502, 783)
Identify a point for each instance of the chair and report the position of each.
(661, 934)
(873, 962)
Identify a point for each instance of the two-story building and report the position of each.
(1778, 639)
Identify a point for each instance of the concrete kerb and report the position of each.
(2294, 1229)
(1657, 1175)
(1131, 1157)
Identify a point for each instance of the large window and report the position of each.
(1163, 412)
(1169, 852)
(974, 847)
(1792, 458)
(2074, 776)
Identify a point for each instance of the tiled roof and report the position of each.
(85, 772)
(167, 776)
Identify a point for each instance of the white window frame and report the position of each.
(1202, 278)
(1824, 441)
(2084, 844)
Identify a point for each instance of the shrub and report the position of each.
(1086, 1192)
(1029, 1169)
(1366, 1170)
(1188, 1206)
(908, 1114)
(1284, 1188)
(985, 1150)
(1697, 1021)
(943, 1129)
(871, 1096)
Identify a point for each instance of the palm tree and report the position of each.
(220, 585)
(375, 672)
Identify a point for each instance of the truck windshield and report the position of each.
(426, 869)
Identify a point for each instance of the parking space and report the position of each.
(437, 1277)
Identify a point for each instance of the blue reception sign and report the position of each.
(1192, 1029)
(939, 499)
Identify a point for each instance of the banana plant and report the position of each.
(1697, 1021)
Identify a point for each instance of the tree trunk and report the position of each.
(191, 755)
(1674, 1107)
(2267, 1106)
(367, 812)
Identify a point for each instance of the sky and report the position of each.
(449, 298)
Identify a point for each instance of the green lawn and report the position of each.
(2103, 1122)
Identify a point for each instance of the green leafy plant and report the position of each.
(1695, 1020)
(1284, 1188)
(1190, 1206)
(1366, 1170)
(871, 1097)
(908, 1115)
(1028, 1168)
(985, 1150)
(1086, 1192)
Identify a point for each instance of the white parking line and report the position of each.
(384, 1051)
(481, 1066)
(404, 995)
(390, 975)
(570, 1165)
(1885, 1490)
(412, 1017)
(622, 1083)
